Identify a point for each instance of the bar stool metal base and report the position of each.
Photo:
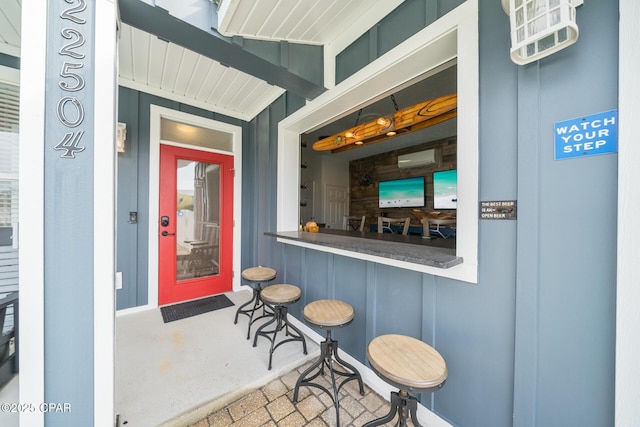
(251, 311)
(404, 405)
(329, 351)
(281, 322)
(255, 276)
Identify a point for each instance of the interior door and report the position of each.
(195, 224)
(336, 201)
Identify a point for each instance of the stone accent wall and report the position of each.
(367, 172)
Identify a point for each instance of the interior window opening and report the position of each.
(451, 40)
(387, 170)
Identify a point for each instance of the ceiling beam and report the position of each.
(157, 21)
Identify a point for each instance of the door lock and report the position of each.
(166, 233)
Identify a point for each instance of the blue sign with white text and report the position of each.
(587, 136)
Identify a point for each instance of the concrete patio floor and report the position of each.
(202, 371)
(179, 372)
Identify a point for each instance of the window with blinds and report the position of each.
(9, 118)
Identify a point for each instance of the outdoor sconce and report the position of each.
(121, 136)
(540, 27)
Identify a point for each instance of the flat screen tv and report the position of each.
(401, 193)
(445, 189)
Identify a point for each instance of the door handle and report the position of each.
(166, 233)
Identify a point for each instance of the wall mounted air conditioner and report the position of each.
(417, 159)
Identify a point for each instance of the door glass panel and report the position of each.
(198, 219)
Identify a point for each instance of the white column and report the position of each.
(105, 106)
(67, 212)
(627, 410)
(31, 252)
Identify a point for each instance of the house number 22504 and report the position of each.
(70, 111)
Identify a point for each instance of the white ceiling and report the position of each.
(166, 69)
(155, 66)
(297, 21)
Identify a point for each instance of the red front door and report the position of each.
(195, 225)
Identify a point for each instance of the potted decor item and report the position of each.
(311, 227)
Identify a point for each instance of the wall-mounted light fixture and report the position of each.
(540, 27)
(121, 137)
(385, 122)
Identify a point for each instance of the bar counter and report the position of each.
(439, 253)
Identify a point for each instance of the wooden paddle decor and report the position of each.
(409, 119)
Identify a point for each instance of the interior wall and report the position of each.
(316, 173)
(335, 172)
(366, 173)
(310, 183)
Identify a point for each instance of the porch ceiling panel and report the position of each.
(157, 21)
(161, 68)
(298, 21)
(166, 57)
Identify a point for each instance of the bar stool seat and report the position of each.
(410, 365)
(256, 276)
(279, 297)
(329, 314)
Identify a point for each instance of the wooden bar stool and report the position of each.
(256, 276)
(410, 365)
(329, 314)
(279, 297)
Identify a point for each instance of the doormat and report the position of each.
(193, 308)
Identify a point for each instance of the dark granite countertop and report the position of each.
(412, 249)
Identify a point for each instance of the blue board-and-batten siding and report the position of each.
(259, 163)
(133, 190)
(532, 344)
(437, 310)
(566, 264)
(403, 22)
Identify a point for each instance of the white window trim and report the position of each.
(455, 35)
